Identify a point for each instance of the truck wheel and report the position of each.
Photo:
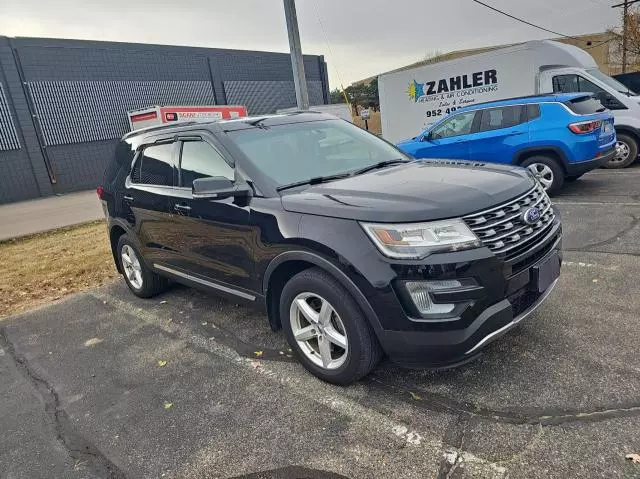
(547, 171)
(326, 329)
(141, 280)
(627, 152)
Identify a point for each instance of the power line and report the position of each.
(630, 2)
(526, 22)
(333, 58)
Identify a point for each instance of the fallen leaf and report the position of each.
(204, 323)
(415, 396)
(635, 457)
(255, 364)
(258, 354)
(162, 363)
(594, 280)
(168, 405)
(164, 301)
(92, 342)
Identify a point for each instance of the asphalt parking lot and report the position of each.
(187, 385)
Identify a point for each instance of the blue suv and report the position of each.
(557, 137)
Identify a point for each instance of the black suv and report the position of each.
(350, 246)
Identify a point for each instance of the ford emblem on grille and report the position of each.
(531, 216)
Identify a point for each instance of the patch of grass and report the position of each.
(48, 266)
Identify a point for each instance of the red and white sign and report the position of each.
(158, 115)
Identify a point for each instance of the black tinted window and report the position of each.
(585, 105)
(503, 117)
(201, 160)
(533, 112)
(154, 166)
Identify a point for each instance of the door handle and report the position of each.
(128, 199)
(182, 207)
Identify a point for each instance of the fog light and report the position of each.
(419, 292)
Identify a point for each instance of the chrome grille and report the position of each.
(503, 230)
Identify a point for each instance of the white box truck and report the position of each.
(414, 98)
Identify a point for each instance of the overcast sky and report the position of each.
(366, 37)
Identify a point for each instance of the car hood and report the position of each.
(418, 191)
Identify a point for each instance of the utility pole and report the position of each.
(625, 10)
(299, 80)
(625, 33)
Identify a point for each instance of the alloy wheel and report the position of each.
(131, 266)
(543, 174)
(319, 331)
(622, 152)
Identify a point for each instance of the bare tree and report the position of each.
(633, 42)
(432, 56)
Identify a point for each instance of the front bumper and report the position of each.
(509, 296)
(575, 169)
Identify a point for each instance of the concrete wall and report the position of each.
(67, 100)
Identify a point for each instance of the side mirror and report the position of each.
(426, 137)
(219, 187)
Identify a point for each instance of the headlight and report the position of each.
(417, 240)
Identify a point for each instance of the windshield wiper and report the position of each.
(382, 164)
(313, 181)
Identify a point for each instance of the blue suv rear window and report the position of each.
(585, 105)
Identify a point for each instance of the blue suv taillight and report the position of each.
(585, 126)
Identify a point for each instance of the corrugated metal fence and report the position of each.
(80, 111)
(8, 134)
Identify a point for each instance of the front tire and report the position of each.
(142, 282)
(326, 329)
(627, 152)
(547, 171)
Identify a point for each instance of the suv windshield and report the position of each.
(301, 151)
(613, 83)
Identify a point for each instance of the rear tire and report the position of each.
(317, 336)
(627, 152)
(548, 172)
(142, 282)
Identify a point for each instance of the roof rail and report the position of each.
(164, 126)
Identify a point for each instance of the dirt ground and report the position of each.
(49, 266)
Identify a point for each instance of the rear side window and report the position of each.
(503, 117)
(154, 166)
(585, 105)
(200, 160)
(533, 112)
